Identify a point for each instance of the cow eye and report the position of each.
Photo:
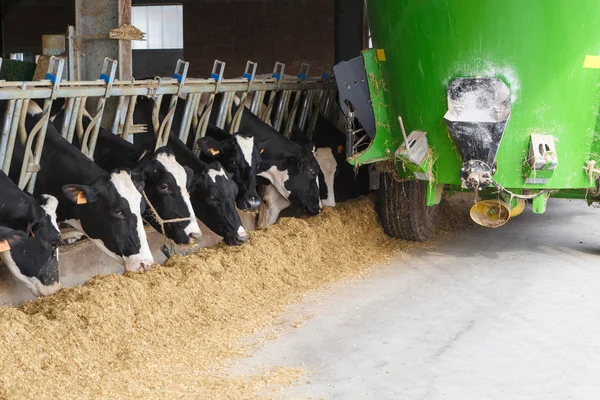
(164, 188)
(119, 214)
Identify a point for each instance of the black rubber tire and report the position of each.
(404, 214)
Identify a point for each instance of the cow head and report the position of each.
(240, 156)
(31, 249)
(166, 188)
(304, 171)
(110, 214)
(213, 196)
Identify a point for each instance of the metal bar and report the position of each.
(257, 102)
(96, 128)
(12, 136)
(195, 118)
(35, 90)
(72, 122)
(306, 106)
(184, 129)
(22, 131)
(292, 114)
(283, 103)
(39, 144)
(71, 51)
(223, 109)
(79, 121)
(203, 125)
(117, 120)
(6, 126)
(316, 111)
(67, 116)
(129, 117)
(169, 121)
(156, 115)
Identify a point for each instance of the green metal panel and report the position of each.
(538, 47)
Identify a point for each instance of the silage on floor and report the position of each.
(167, 333)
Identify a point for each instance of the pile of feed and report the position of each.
(167, 333)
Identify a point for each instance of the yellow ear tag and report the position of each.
(340, 149)
(4, 246)
(213, 151)
(81, 198)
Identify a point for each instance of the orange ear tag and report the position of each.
(4, 246)
(262, 150)
(340, 149)
(81, 198)
(213, 151)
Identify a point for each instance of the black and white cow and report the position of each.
(338, 180)
(289, 166)
(31, 250)
(164, 178)
(106, 207)
(238, 153)
(212, 191)
(240, 156)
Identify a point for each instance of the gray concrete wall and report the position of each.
(82, 260)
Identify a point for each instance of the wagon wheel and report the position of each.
(404, 213)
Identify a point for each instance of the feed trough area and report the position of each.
(170, 332)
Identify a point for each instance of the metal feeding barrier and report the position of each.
(309, 97)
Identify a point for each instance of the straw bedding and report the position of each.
(167, 333)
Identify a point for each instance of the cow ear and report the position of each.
(79, 194)
(210, 147)
(138, 177)
(190, 177)
(10, 238)
(260, 144)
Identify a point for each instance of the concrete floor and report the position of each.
(511, 313)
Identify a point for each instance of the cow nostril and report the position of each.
(195, 236)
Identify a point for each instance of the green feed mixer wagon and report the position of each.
(497, 97)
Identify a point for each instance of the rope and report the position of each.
(159, 220)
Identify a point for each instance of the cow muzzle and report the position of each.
(249, 204)
(240, 237)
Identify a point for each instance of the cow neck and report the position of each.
(185, 156)
(20, 203)
(81, 170)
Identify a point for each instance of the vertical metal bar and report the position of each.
(292, 114)
(39, 144)
(257, 100)
(283, 102)
(195, 117)
(167, 130)
(12, 136)
(156, 115)
(94, 136)
(129, 117)
(184, 129)
(72, 122)
(117, 121)
(71, 50)
(22, 131)
(316, 111)
(222, 113)
(67, 116)
(6, 125)
(203, 124)
(306, 106)
(79, 123)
